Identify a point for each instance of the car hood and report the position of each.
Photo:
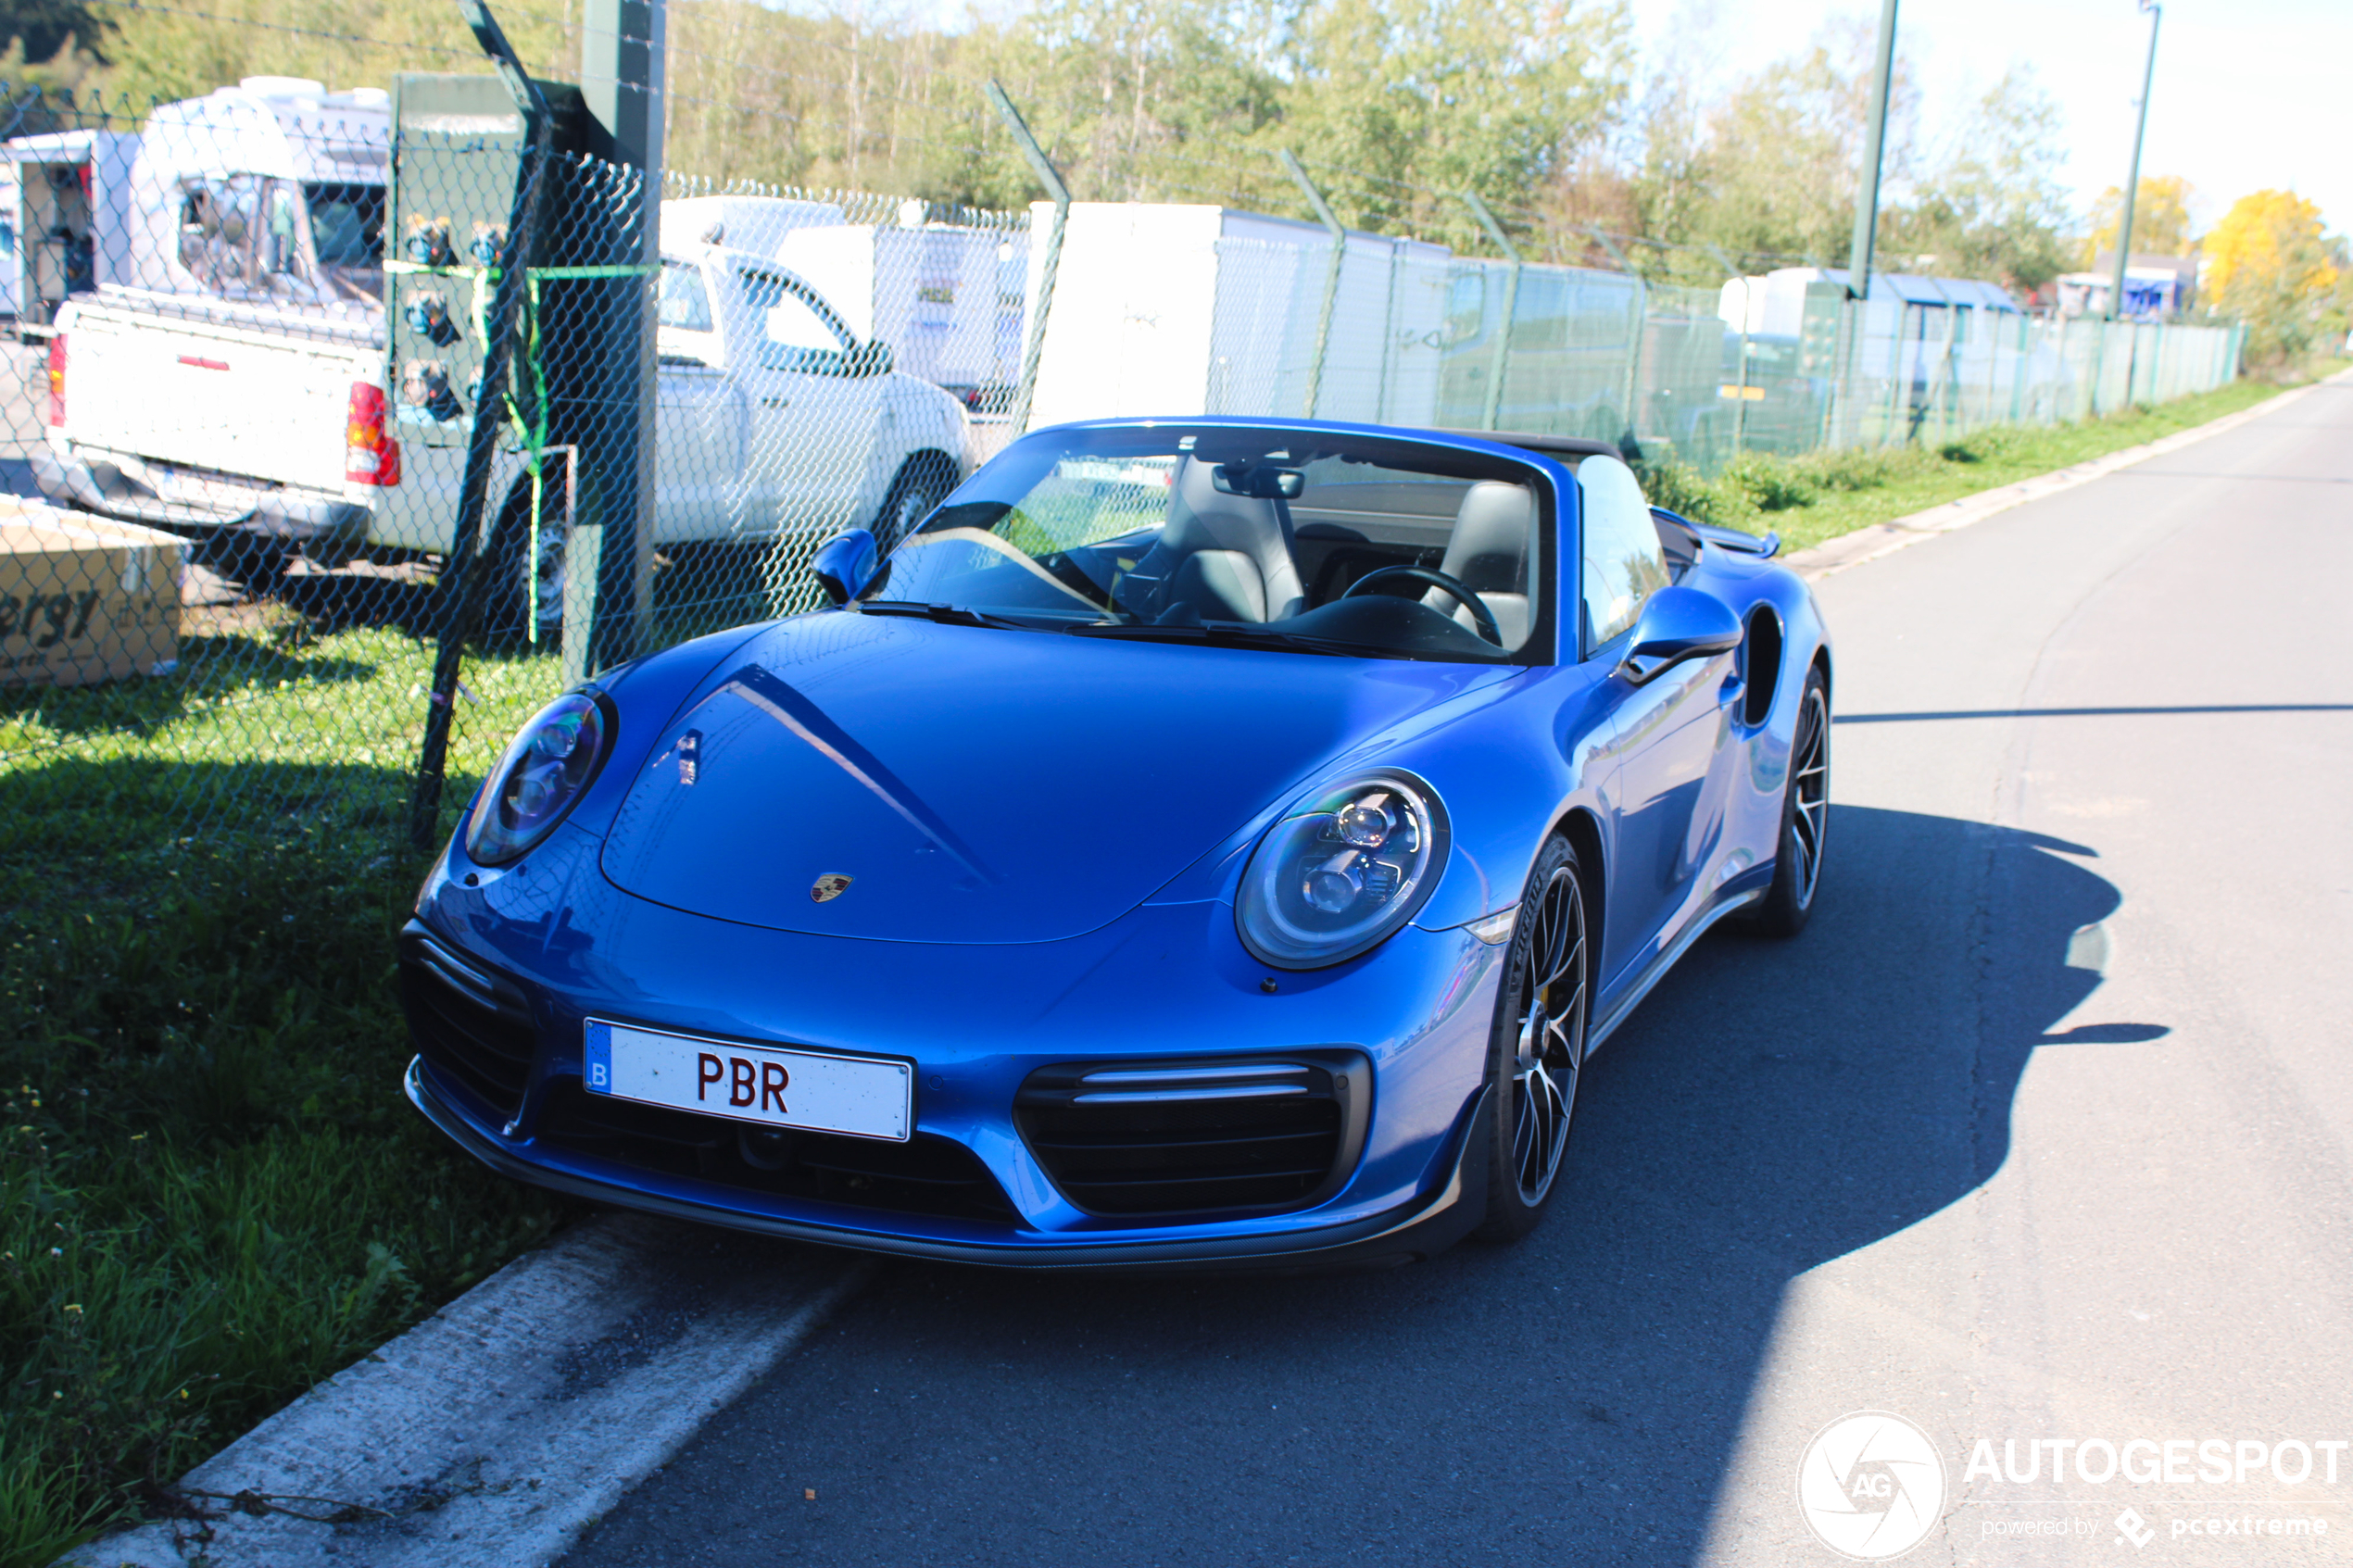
(857, 775)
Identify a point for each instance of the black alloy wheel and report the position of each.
(1539, 1046)
(1806, 810)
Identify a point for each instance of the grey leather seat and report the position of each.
(1491, 553)
(1224, 558)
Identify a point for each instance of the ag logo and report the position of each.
(1871, 1486)
(830, 885)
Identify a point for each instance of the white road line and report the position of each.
(1886, 538)
(491, 1435)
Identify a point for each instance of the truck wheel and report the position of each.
(924, 481)
(508, 611)
(250, 558)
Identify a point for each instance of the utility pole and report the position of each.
(1859, 266)
(608, 563)
(2133, 180)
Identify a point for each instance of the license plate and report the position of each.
(811, 1090)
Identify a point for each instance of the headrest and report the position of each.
(1494, 538)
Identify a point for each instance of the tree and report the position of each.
(1779, 165)
(42, 30)
(162, 54)
(1992, 206)
(2269, 265)
(2160, 219)
(1418, 100)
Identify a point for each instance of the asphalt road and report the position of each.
(2042, 1130)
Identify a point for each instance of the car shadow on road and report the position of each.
(1578, 1396)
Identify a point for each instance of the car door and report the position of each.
(1668, 734)
(813, 423)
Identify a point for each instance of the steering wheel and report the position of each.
(1481, 617)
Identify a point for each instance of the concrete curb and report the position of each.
(491, 1435)
(1886, 538)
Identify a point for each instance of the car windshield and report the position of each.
(1288, 539)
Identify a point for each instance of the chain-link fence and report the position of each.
(324, 411)
(1187, 308)
(256, 337)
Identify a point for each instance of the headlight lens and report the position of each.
(544, 772)
(1342, 872)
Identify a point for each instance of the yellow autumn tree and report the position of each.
(2160, 219)
(2270, 264)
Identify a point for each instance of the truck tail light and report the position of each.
(57, 379)
(370, 456)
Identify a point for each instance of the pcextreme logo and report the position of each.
(1870, 1485)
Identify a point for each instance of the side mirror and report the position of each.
(872, 359)
(1677, 624)
(843, 565)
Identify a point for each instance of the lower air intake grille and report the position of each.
(924, 1175)
(472, 1025)
(1202, 1138)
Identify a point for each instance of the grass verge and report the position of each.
(212, 1193)
(1818, 495)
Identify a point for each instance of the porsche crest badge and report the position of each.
(830, 885)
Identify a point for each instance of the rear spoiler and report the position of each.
(1730, 539)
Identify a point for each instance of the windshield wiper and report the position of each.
(1227, 634)
(947, 615)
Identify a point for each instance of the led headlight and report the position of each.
(1342, 871)
(547, 769)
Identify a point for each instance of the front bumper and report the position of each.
(1411, 1231)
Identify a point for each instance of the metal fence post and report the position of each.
(1609, 244)
(1048, 176)
(1322, 211)
(610, 556)
(1510, 308)
(463, 583)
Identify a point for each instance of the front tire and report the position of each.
(1806, 809)
(1537, 1050)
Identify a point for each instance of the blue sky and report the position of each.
(2249, 93)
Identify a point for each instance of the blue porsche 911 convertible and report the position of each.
(1198, 843)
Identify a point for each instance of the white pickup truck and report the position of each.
(243, 383)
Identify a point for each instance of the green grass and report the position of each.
(1818, 495)
(212, 1192)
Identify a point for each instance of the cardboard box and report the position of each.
(84, 598)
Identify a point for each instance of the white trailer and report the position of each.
(934, 292)
(72, 218)
(742, 222)
(1193, 310)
